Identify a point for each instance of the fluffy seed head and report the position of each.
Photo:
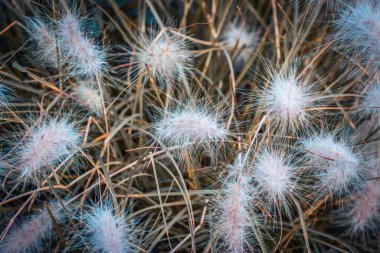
(31, 234)
(83, 57)
(108, 232)
(190, 127)
(370, 103)
(165, 54)
(233, 218)
(69, 28)
(236, 218)
(338, 167)
(44, 37)
(46, 145)
(364, 214)
(357, 21)
(275, 176)
(90, 95)
(287, 99)
(247, 40)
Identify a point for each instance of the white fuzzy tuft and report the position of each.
(46, 145)
(108, 232)
(247, 40)
(363, 215)
(166, 55)
(83, 57)
(233, 218)
(357, 21)
(31, 234)
(370, 103)
(190, 128)
(287, 99)
(275, 177)
(90, 95)
(338, 167)
(46, 46)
